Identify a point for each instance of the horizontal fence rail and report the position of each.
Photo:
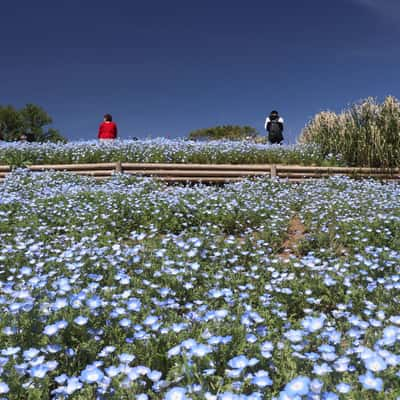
(212, 173)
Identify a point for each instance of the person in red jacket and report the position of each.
(107, 129)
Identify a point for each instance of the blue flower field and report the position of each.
(164, 151)
(131, 289)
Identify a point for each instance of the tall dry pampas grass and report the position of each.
(365, 134)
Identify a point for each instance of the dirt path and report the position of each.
(296, 232)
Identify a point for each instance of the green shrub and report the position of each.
(229, 132)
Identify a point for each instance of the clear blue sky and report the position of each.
(164, 68)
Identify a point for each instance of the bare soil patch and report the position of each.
(296, 232)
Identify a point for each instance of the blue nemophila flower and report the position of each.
(266, 349)
(174, 351)
(142, 370)
(294, 335)
(141, 335)
(91, 374)
(208, 372)
(188, 343)
(117, 312)
(125, 322)
(233, 373)
(39, 371)
(251, 338)
(51, 330)
(150, 320)
(26, 270)
(246, 319)
(375, 363)
(133, 304)
(81, 320)
(60, 379)
(316, 386)
(298, 386)
(94, 302)
(287, 396)
(112, 371)
(4, 388)
(154, 376)
(333, 335)
(10, 351)
(106, 351)
(261, 379)
(37, 361)
(178, 327)
(73, 384)
(343, 388)
(375, 323)
(176, 393)
(8, 330)
(330, 396)
(313, 324)
(395, 319)
(341, 364)
(200, 350)
(131, 374)
(226, 339)
(370, 382)
(241, 362)
(3, 361)
(321, 369)
(60, 303)
(261, 330)
(219, 314)
(53, 348)
(390, 358)
(31, 353)
(21, 369)
(126, 358)
(329, 356)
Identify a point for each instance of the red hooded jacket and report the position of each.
(107, 130)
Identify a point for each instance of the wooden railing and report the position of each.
(4, 170)
(212, 173)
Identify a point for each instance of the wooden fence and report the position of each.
(212, 173)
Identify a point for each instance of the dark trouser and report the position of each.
(273, 138)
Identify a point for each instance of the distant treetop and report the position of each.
(230, 132)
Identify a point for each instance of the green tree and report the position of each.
(231, 132)
(10, 123)
(31, 120)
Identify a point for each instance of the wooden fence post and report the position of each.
(118, 167)
(273, 171)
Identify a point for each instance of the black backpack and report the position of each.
(275, 131)
(275, 127)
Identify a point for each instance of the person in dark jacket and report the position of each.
(274, 127)
(108, 129)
